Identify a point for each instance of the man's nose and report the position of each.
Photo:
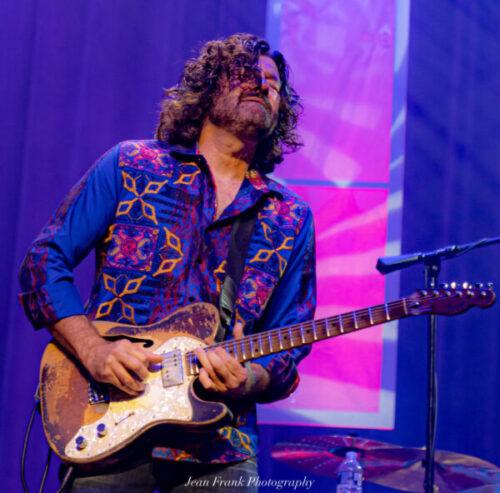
(262, 82)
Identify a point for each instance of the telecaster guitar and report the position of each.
(86, 422)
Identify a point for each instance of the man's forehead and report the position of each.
(268, 64)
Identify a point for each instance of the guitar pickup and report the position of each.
(97, 392)
(172, 371)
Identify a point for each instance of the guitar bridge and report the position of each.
(172, 369)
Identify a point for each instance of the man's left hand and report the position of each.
(222, 373)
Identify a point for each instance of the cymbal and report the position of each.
(323, 454)
(453, 472)
(388, 465)
(488, 488)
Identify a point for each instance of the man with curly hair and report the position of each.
(163, 216)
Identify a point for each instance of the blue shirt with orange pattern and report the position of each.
(148, 210)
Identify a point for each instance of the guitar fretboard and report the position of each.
(293, 336)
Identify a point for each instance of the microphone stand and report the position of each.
(432, 266)
(431, 272)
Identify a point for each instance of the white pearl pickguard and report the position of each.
(126, 418)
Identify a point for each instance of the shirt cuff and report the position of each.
(49, 304)
(284, 376)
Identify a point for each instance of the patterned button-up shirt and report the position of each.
(148, 210)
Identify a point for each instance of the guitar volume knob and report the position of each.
(81, 443)
(102, 430)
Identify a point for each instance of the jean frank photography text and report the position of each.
(245, 481)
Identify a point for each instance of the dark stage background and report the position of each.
(77, 77)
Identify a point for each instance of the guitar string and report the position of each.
(298, 329)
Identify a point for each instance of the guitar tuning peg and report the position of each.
(444, 285)
(479, 285)
(490, 285)
(423, 292)
(466, 285)
(453, 284)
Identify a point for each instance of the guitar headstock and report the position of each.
(451, 299)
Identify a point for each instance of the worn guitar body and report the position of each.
(85, 426)
(82, 428)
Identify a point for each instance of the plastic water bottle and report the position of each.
(350, 474)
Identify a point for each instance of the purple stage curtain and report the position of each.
(452, 187)
(77, 77)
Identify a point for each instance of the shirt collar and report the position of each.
(261, 183)
(186, 154)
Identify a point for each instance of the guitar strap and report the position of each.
(238, 248)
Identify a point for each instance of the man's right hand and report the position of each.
(120, 363)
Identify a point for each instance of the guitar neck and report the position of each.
(293, 336)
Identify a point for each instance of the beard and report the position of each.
(247, 119)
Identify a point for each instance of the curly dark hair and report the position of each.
(186, 104)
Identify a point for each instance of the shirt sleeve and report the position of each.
(293, 301)
(48, 293)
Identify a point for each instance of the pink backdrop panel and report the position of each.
(341, 54)
(351, 229)
(342, 58)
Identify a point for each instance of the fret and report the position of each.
(315, 336)
(386, 308)
(260, 344)
(243, 352)
(302, 337)
(355, 320)
(270, 340)
(370, 315)
(404, 306)
(327, 327)
(235, 349)
(341, 324)
(251, 346)
(280, 340)
(290, 335)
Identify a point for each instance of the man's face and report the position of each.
(247, 103)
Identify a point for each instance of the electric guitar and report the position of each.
(86, 422)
